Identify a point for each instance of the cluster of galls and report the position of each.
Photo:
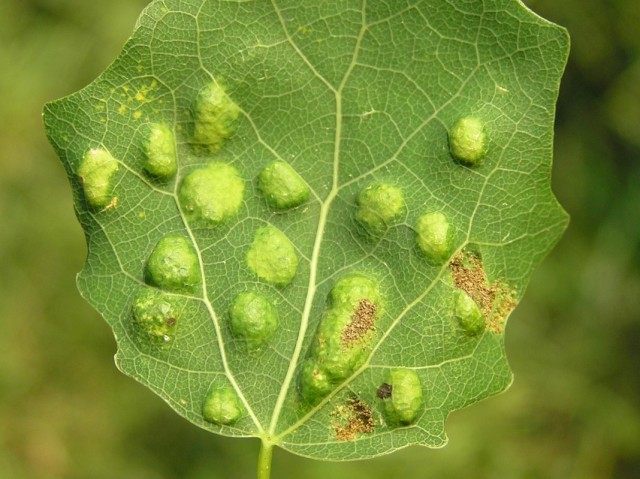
(213, 194)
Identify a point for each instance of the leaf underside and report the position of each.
(348, 92)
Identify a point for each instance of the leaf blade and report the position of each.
(352, 107)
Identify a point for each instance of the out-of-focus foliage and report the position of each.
(574, 343)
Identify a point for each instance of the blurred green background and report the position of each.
(574, 343)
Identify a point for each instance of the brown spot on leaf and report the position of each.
(171, 322)
(362, 322)
(384, 391)
(495, 300)
(351, 419)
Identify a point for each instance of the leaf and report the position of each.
(424, 256)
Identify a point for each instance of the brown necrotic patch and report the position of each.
(351, 419)
(362, 323)
(495, 300)
(384, 391)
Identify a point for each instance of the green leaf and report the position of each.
(320, 134)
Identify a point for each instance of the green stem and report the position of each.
(264, 460)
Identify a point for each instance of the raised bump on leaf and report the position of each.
(96, 174)
(253, 318)
(379, 205)
(212, 194)
(468, 314)
(272, 257)
(468, 141)
(282, 186)
(222, 405)
(155, 315)
(173, 265)
(314, 382)
(215, 114)
(405, 401)
(161, 161)
(344, 338)
(496, 299)
(435, 237)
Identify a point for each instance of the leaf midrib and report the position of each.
(324, 208)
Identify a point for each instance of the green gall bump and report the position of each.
(405, 402)
(215, 115)
(345, 336)
(496, 299)
(161, 160)
(222, 406)
(314, 383)
(282, 186)
(96, 173)
(155, 315)
(435, 237)
(272, 257)
(349, 290)
(253, 318)
(212, 194)
(468, 314)
(468, 141)
(173, 265)
(379, 206)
